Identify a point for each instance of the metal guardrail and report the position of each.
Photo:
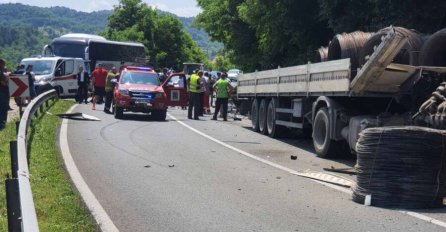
(21, 212)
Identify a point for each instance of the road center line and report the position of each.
(96, 209)
(291, 171)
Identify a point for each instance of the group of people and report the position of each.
(201, 86)
(101, 83)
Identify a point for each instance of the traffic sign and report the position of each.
(18, 86)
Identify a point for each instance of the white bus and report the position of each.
(95, 49)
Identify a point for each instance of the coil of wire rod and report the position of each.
(401, 167)
(321, 55)
(348, 45)
(433, 52)
(408, 54)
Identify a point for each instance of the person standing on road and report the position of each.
(31, 79)
(194, 95)
(109, 86)
(4, 95)
(98, 81)
(202, 93)
(206, 84)
(223, 89)
(83, 81)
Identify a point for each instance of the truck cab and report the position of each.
(58, 73)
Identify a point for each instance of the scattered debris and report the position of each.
(239, 189)
(79, 116)
(172, 165)
(278, 177)
(294, 157)
(341, 170)
(147, 166)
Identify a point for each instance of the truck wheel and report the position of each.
(262, 116)
(159, 115)
(324, 146)
(255, 115)
(274, 130)
(118, 112)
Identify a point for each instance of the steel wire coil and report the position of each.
(348, 45)
(411, 48)
(433, 52)
(321, 55)
(401, 167)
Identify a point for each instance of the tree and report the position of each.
(220, 19)
(163, 35)
(264, 34)
(426, 16)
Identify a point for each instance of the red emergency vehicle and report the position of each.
(140, 90)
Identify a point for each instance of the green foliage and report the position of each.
(221, 20)
(163, 35)
(264, 34)
(43, 24)
(425, 16)
(18, 42)
(222, 62)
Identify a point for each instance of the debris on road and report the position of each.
(79, 116)
(294, 157)
(341, 170)
(147, 166)
(172, 165)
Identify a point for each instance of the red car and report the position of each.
(140, 90)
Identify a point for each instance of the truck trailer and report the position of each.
(333, 103)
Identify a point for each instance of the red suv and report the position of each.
(139, 90)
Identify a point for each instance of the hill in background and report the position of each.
(25, 29)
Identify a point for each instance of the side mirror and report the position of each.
(58, 72)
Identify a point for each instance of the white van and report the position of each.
(59, 73)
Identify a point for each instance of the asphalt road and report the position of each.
(163, 176)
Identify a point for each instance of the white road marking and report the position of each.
(344, 190)
(96, 209)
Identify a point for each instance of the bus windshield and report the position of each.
(41, 67)
(67, 49)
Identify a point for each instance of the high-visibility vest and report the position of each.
(222, 88)
(193, 83)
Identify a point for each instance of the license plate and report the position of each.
(143, 101)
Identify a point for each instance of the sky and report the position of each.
(185, 8)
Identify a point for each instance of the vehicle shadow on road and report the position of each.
(140, 117)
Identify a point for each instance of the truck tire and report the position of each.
(324, 146)
(255, 115)
(274, 130)
(118, 112)
(262, 116)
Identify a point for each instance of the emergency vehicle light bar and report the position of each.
(139, 68)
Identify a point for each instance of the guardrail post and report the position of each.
(14, 158)
(17, 125)
(13, 205)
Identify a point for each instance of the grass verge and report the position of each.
(58, 206)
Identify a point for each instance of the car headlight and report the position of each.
(45, 79)
(159, 95)
(124, 92)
